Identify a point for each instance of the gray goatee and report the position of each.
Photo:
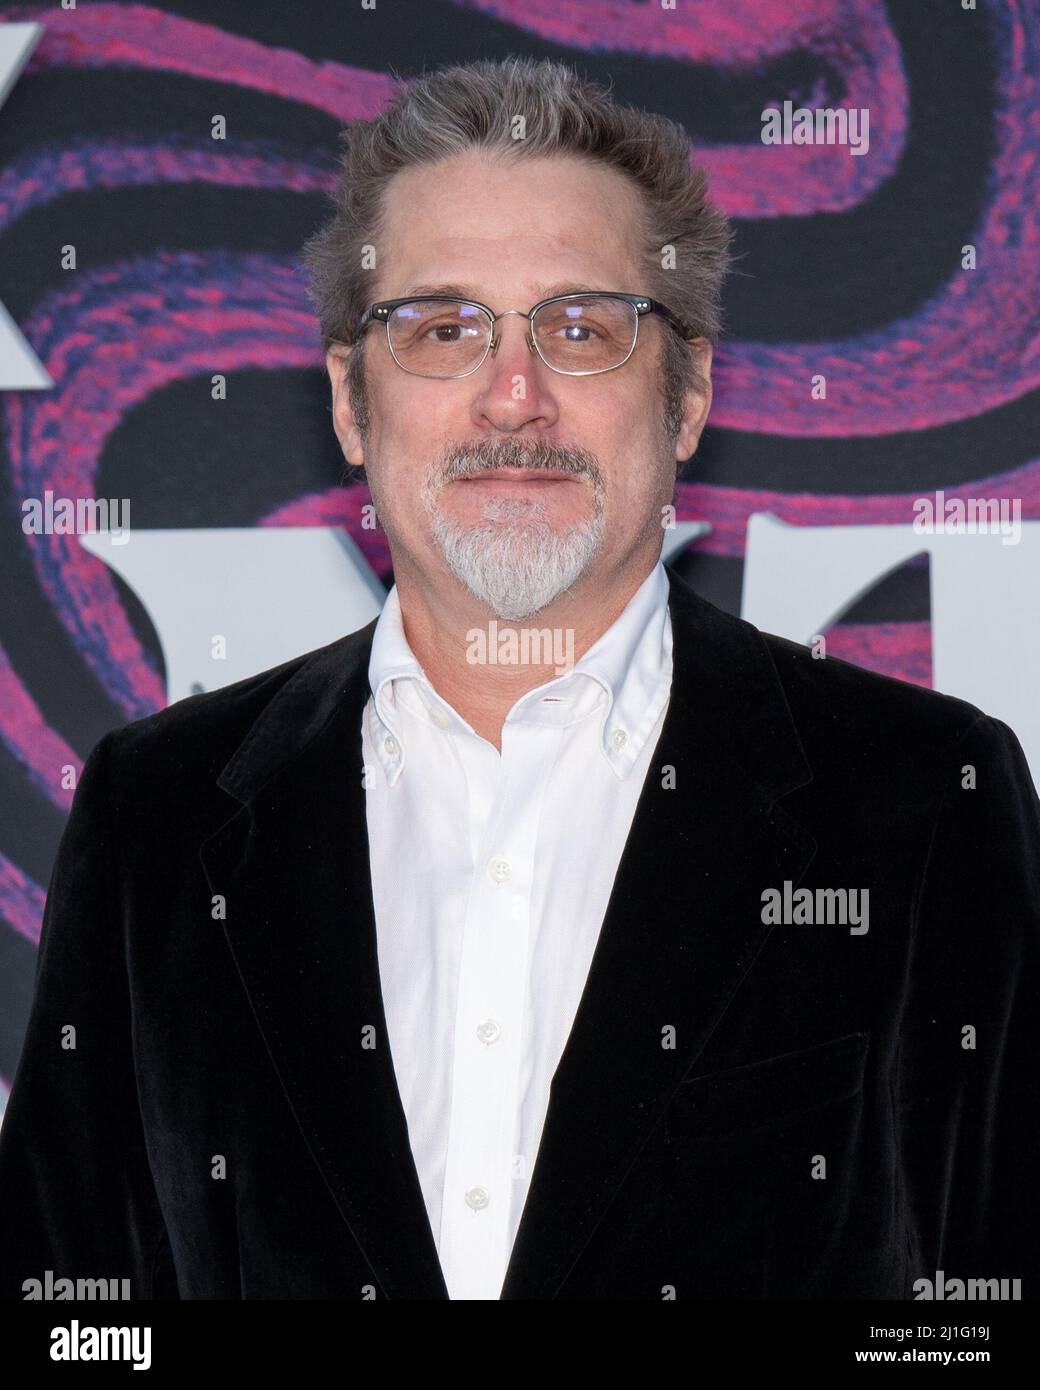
(514, 561)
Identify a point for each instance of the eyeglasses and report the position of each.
(577, 334)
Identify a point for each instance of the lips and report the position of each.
(520, 475)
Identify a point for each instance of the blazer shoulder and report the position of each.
(866, 707)
(199, 733)
(849, 720)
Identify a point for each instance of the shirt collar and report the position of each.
(630, 664)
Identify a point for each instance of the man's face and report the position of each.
(516, 481)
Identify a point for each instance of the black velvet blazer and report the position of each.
(746, 1107)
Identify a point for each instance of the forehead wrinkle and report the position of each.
(541, 291)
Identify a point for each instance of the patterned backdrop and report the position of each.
(187, 264)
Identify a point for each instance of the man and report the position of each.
(556, 935)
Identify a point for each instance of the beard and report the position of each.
(517, 564)
(514, 560)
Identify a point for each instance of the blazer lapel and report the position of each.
(292, 866)
(682, 928)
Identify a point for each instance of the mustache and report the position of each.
(464, 460)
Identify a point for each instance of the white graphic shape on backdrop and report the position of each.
(272, 593)
(985, 636)
(20, 368)
(679, 536)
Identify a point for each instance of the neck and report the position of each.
(440, 624)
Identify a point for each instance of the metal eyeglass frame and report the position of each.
(643, 305)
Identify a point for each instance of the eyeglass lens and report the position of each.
(433, 338)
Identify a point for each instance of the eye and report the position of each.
(573, 331)
(449, 326)
(572, 327)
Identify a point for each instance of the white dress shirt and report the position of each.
(491, 874)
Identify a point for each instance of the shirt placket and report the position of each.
(488, 1050)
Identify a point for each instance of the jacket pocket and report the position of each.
(761, 1095)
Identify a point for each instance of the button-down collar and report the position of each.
(626, 673)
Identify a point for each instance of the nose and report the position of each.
(498, 402)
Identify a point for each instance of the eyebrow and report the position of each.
(467, 292)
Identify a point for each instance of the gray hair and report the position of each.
(474, 106)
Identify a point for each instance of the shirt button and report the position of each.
(390, 744)
(439, 717)
(477, 1197)
(499, 869)
(619, 738)
(488, 1031)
